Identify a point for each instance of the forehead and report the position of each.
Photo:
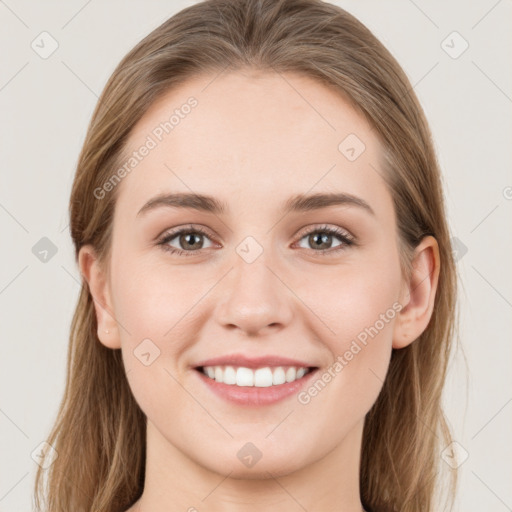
(252, 138)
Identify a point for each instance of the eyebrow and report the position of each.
(297, 203)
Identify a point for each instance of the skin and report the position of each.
(253, 141)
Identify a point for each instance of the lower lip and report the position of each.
(252, 395)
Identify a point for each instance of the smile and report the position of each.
(258, 387)
(259, 377)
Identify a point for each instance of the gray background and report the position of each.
(46, 104)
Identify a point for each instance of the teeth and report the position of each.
(291, 373)
(301, 372)
(244, 377)
(278, 376)
(229, 376)
(263, 377)
(260, 378)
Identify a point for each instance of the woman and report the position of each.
(269, 291)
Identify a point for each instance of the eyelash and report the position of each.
(347, 240)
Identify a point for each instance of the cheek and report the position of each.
(360, 306)
(150, 299)
(349, 300)
(152, 305)
(362, 317)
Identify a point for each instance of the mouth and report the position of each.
(255, 377)
(261, 386)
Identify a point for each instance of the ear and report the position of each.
(418, 294)
(97, 280)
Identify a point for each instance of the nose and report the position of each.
(255, 299)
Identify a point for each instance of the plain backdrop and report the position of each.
(46, 102)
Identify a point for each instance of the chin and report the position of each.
(241, 466)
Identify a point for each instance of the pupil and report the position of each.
(187, 237)
(323, 239)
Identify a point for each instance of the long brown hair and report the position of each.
(99, 433)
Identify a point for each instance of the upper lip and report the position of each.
(252, 362)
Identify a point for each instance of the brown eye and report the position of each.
(321, 240)
(189, 241)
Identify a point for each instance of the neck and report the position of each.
(175, 482)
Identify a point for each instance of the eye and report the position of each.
(190, 238)
(320, 239)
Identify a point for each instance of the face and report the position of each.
(320, 286)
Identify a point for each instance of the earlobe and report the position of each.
(419, 294)
(97, 281)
